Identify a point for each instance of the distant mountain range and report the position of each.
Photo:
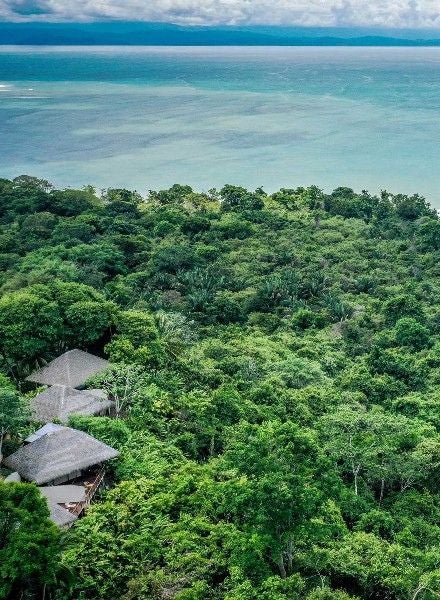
(160, 34)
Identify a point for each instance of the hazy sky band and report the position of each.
(374, 13)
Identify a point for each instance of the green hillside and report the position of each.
(141, 33)
(276, 365)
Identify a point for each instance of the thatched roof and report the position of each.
(58, 454)
(46, 429)
(71, 369)
(12, 478)
(63, 494)
(59, 402)
(60, 516)
(98, 393)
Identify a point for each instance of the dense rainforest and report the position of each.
(275, 363)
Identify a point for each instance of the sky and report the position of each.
(370, 13)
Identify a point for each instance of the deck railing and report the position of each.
(91, 490)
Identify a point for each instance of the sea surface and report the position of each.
(145, 118)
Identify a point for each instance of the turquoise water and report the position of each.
(278, 117)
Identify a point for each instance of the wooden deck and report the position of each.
(91, 482)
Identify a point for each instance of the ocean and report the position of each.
(147, 117)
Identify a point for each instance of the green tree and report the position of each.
(137, 339)
(382, 448)
(238, 198)
(89, 321)
(376, 566)
(410, 332)
(404, 305)
(29, 543)
(267, 496)
(122, 382)
(13, 413)
(29, 328)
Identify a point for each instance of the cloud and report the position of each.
(26, 8)
(373, 13)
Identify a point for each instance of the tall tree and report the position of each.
(13, 414)
(29, 543)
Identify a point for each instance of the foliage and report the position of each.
(29, 542)
(274, 363)
(13, 412)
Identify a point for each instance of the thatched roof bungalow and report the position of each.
(59, 456)
(72, 369)
(59, 402)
